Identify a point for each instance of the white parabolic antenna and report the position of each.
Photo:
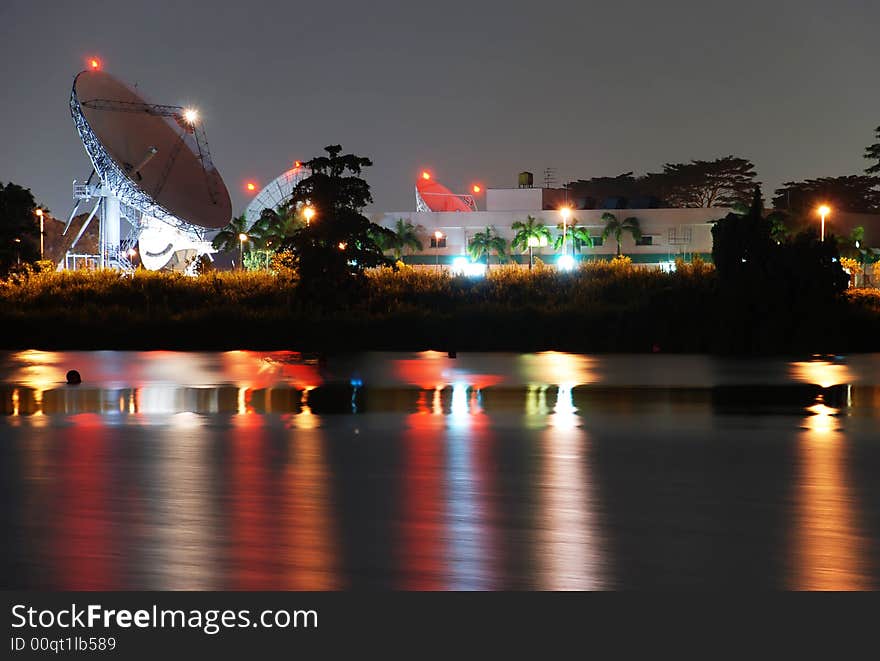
(275, 193)
(154, 170)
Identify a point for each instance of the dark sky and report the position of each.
(473, 90)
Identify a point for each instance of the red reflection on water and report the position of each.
(259, 370)
(421, 527)
(85, 554)
(430, 372)
(253, 524)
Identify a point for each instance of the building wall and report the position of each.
(513, 199)
(663, 225)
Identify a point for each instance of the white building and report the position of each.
(666, 233)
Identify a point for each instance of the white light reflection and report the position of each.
(466, 524)
(184, 540)
(552, 367)
(568, 540)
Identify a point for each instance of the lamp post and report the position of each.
(241, 239)
(308, 214)
(17, 250)
(566, 214)
(437, 236)
(824, 210)
(40, 216)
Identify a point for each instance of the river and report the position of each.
(262, 471)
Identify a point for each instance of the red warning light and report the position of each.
(251, 186)
(477, 188)
(426, 175)
(94, 64)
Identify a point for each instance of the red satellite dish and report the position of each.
(156, 148)
(439, 198)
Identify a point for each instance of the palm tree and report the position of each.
(617, 229)
(274, 226)
(529, 233)
(484, 243)
(577, 235)
(227, 239)
(405, 237)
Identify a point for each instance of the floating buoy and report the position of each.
(73, 377)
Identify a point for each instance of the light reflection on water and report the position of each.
(549, 471)
(830, 542)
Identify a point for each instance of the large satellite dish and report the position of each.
(154, 169)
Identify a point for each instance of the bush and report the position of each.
(601, 306)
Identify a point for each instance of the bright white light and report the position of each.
(565, 263)
(461, 266)
(191, 115)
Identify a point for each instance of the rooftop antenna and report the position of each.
(549, 177)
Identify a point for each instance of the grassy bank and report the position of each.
(600, 308)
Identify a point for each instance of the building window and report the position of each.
(597, 241)
(438, 243)
(645, 241)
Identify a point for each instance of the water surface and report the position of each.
(248, 470)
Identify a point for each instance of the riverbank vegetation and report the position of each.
(599, 307)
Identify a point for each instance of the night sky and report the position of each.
(475, 91)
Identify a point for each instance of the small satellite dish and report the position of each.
(154, 166)
(431, 195)
(275, 193)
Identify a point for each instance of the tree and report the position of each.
(779, 225)
(853, 245)
(574, 234)
(742, 243)
(405, 236)
(720, 183)
(529, 233)
(333, 249)
(19, 228)
(227, 238)
(873, 153)
(617, 228)
(751, 264)
(485, 243)
(624, 189)
(855, 193)
(274, 226)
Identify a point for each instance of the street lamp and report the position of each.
(566, 214)
(437, 236)
(824, 210)
(241, 239)
(309, 213)
(40, 216)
